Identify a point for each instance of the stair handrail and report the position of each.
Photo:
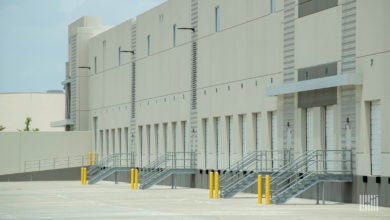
(308, 164)
(290, 166)
(166, 162)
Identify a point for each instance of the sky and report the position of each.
(34, 38)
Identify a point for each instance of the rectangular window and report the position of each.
(119, 56)
(273, 6)
(308, 7)
(217, 19)
(95, 64)
(174, 35)
(104, 54)
(148, 46)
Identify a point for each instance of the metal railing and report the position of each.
(55, 163)
(115, 160)
(317, 163)
(164, 163)
(257, 161)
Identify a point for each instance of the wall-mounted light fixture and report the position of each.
(347, 121)
(85, 67)
(186, 28)
(127, 51)
(288, 124)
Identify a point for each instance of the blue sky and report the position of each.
(33, 37)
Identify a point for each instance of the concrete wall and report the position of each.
(66, 174)
(43, 108)
(18, 147)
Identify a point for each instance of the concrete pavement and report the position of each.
(105, 200)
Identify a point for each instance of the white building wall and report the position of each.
(42, 108)
(235, 66)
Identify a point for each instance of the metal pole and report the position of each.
(54, 163)
(39, 165)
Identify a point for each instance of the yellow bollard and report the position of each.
(267, 189)
(211, 175)
(132, 178)
(89, 158)
(259, 190)
(136, 179)
(85, 175)
(82, 176)
(94, 157)
(216, 191)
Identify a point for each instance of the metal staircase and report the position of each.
(309, 169)
(243, 173)
(165, 166)
(110, 165)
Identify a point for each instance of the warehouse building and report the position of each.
(220, 80)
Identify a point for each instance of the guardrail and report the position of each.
(55, 163)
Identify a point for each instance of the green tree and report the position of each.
(2, 127)
(27, 125)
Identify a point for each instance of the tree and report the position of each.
(2, 127)
(27, 123)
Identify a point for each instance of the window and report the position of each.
(104, 54)
(174, 35)
(273, 6)
(308, 7)
(119, 56)
(95, 64)
(148, 48)
(217, 19)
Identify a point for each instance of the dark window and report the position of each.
(308, 7)
(319, 97)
